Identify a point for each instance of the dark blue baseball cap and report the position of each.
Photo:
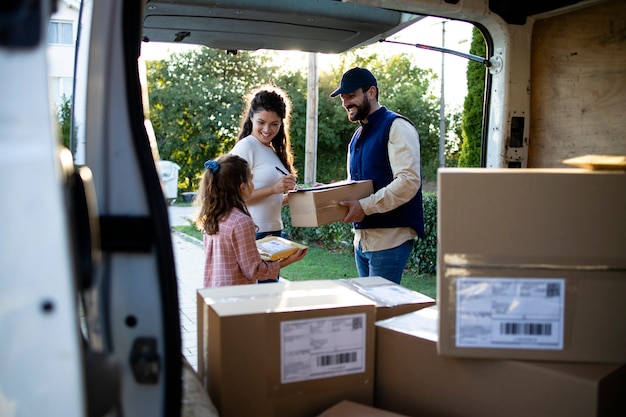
(353, 79)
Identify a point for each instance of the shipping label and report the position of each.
(515, 313)
(322, 347)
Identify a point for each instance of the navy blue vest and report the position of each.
(370, 161)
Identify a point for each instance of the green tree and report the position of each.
(334, 129)
(196, 101)
(295, 85)
(64, 116)
(453, 141)
(470, 148)
(196, 104)
(404, 88)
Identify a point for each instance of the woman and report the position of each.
(264, 142)
(231, 254)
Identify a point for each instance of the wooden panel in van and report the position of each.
(578, 85)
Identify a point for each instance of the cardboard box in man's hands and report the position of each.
(316, 206)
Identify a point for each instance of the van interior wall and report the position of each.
(578, 85)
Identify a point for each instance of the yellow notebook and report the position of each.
(274, 248)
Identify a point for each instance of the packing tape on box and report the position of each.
(455, 263)
(333, 204)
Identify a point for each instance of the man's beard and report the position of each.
(362, 111)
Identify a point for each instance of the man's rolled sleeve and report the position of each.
(404, 157)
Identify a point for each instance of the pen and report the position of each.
(281, 171)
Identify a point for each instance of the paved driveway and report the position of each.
(189, 259)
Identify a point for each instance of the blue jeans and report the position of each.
(388, 263)
(261, 235)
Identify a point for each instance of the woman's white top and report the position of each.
(263, 162)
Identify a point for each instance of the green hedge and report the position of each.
(338, 237)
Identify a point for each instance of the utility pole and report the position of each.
(442, 112)
(310, 149)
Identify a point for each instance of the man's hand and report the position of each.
(355, 211)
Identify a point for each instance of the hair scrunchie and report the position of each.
(212, 165)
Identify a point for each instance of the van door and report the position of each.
(88, 290)
(40, 339)
(132, 306)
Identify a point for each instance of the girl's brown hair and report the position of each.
(220, 191)
(272, 99)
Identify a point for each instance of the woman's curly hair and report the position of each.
(272, 99)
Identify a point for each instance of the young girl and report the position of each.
(231, 254)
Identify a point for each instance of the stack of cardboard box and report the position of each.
(294, 349)
(530, 317)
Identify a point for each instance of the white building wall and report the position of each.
(60, 56)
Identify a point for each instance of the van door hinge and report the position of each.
(145, 361)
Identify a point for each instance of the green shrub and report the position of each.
(338, 237)
(423, 259)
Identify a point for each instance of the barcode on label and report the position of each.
(531, 329)
(553, 290)
(336, 359)
(357, 323)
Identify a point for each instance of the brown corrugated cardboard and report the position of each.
(411, 378)
(569, 217)
(509, 313)
(532, 264)
(225, 294)
(320, 205)
(290, 349)
(391, 299)
(352, 409)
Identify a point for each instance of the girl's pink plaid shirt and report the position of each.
(231, 256)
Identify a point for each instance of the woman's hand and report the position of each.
(284, 184)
